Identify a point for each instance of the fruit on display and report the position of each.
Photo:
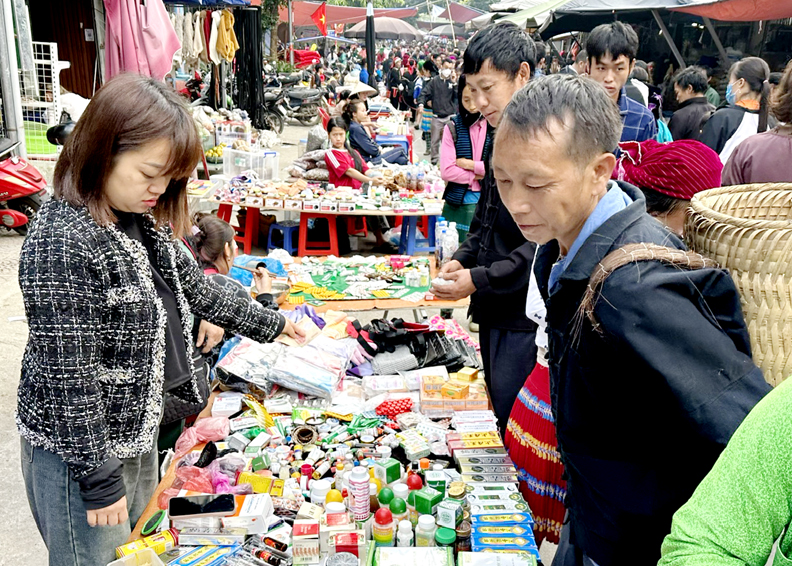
(216, 153)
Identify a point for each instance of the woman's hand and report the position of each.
(209, 336)
(109, 516)
(293, 331)
(467, 164)
(377, 181)
(262, 280)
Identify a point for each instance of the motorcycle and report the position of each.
(275, 115)
(22, 190)
(298, 102)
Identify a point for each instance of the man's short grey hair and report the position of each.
(580, 103)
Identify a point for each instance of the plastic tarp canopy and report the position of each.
(210, 3)
(301, 13)
(741, 10)
(459, 14)
(514, 5)
(531, 17)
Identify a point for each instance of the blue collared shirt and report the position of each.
(639, 123)
(615, 200)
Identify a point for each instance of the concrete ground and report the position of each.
(20, 543)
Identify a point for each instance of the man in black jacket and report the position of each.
(494, 261)
(439, 94)
(690, 86)
(649, 355)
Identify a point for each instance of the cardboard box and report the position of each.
(467, 374)
(293, 204)
(310, 511)
(432, 383)
(312, 205)
(426, 500)
(273, 203)
(257, 444)
(346, 207)
(449, 513)
(213, 537)
(329, 206)
(204, 556)
(305, 541)
(252, 514)
(326, 531)
(261, 462)
(388, 471)
(454, 390)
(353, 542)
(260, 484)
(436, 479)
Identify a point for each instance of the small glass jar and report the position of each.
(463, 532)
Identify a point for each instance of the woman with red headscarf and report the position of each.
(669, 174)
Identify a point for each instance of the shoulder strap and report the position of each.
(452, 126)
(703, 122)
(632, 253)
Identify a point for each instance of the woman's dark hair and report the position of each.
(782, 97)
(350, 109)
(755, 72)
(614, 38)
(695, 77)
(467, 118)
(127, 113)
(658, 203)
(505, 46)
(341, 122)
(212, 236)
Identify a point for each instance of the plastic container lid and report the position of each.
(306, 469)
(411, 498)
(405, 526)
(359, 475)
(437, 467)
(334, 507)
(401, 490)
(385, 495)
(373, 488)
(426, 522)
(444, 536)
(414, 481)
(320, 487)
(423, 463)
(398, 506)
(464, 529)
(334, 496)
(383, 516)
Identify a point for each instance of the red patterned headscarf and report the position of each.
(678, 169)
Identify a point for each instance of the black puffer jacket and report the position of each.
(92, 372)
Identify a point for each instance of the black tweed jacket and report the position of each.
(92, 372)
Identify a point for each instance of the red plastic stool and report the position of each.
(318, 248)
(247, 236)
(356, 226)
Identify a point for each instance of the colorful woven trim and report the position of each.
(545, 525)
(536, 405)
(542, 488)
(543, 450)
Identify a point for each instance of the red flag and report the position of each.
(320, 19)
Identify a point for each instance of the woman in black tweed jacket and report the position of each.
(108, 296)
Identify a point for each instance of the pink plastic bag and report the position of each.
(214, 428)
(196, 479)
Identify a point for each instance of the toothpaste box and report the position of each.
(500, 519)
(493, 507)
(252, 514)
(205, 556)
(211, 537)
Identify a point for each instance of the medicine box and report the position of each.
(388, 471)
(204, 556)
(145, 557)
(252, 513)
(273, 203)
(467, 374)
(454, 390)
(260, 484)
(292, 204)
(426, 500)
(312, 205)
(213, 537)
(449, 514)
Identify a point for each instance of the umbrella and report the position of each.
(356, 88)
(386, 28)
(447, 31)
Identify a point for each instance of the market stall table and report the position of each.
(409, 244)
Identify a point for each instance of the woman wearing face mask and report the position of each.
(460, 161)
(109, 298)
(765, 157)
(355, 114)
(746, 111)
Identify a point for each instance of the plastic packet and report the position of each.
(204, 430)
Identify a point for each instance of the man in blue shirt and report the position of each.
(611, 50)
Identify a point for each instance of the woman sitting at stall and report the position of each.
(355, 114)
(461, 164)
(347, 169)
(213, 246)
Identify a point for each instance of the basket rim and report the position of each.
(699, 206)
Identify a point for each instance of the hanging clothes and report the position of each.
(139, 38)
(177, 21)
(214, 56)
(188, 55)
(249, 93)
(227, 44)
(200, 36)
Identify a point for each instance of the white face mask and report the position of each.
(445, 73)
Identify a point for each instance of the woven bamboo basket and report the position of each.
(748, 230)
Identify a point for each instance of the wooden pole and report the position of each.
(716, 39)
(669, 39)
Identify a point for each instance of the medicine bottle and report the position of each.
(425, 533)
